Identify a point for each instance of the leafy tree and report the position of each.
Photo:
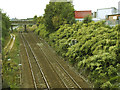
(35, 19)
(96, 52)
(58, 13)
(5, 26)
(40, 20)
(87, 19)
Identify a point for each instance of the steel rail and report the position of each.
(53, 67)
(54, 51)
(38, 64)
(68, 74)
(34, 81)
(64, 70)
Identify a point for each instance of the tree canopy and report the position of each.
(58, 13)
(87, 19)
(5, 26)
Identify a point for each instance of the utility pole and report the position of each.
(25, 28)
(11, 28)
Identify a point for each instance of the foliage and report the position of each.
(32, 28)
(87, 19)
(10, 66)
(35, 19)
(5, 27)
(96, 50)
(40, 20)
(58, 13)
(41, 30)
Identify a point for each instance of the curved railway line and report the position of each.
(47, 71)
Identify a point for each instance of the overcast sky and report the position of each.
(28, 8)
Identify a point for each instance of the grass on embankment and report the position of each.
(10, 67)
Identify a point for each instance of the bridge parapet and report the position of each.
(22, 21)
(17, 22)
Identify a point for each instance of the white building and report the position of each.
(119, 7)
(102, 13)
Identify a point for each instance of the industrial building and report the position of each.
(104, 12)
(119, 7)
(111, 15)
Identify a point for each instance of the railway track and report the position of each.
(55, 81)
(47, 70)
(38, 77)
(82, 82)
(66, 78)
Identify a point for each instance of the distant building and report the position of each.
(114, 17)
(94, 14)
(79, 15)
(103, 13)
(119, 7)
(113, 20)
(82, 14)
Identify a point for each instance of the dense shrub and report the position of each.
(41, 30)
(93, 47)
(5, 26)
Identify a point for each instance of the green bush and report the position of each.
(96, 50)
(41, 30)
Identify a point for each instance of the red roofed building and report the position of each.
(82, 14)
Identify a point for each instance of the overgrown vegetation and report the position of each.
(87, 19)
(41, 30)
(5, 27)
(58, 13)
(10, 61)
(10, 68)
(93, 48)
